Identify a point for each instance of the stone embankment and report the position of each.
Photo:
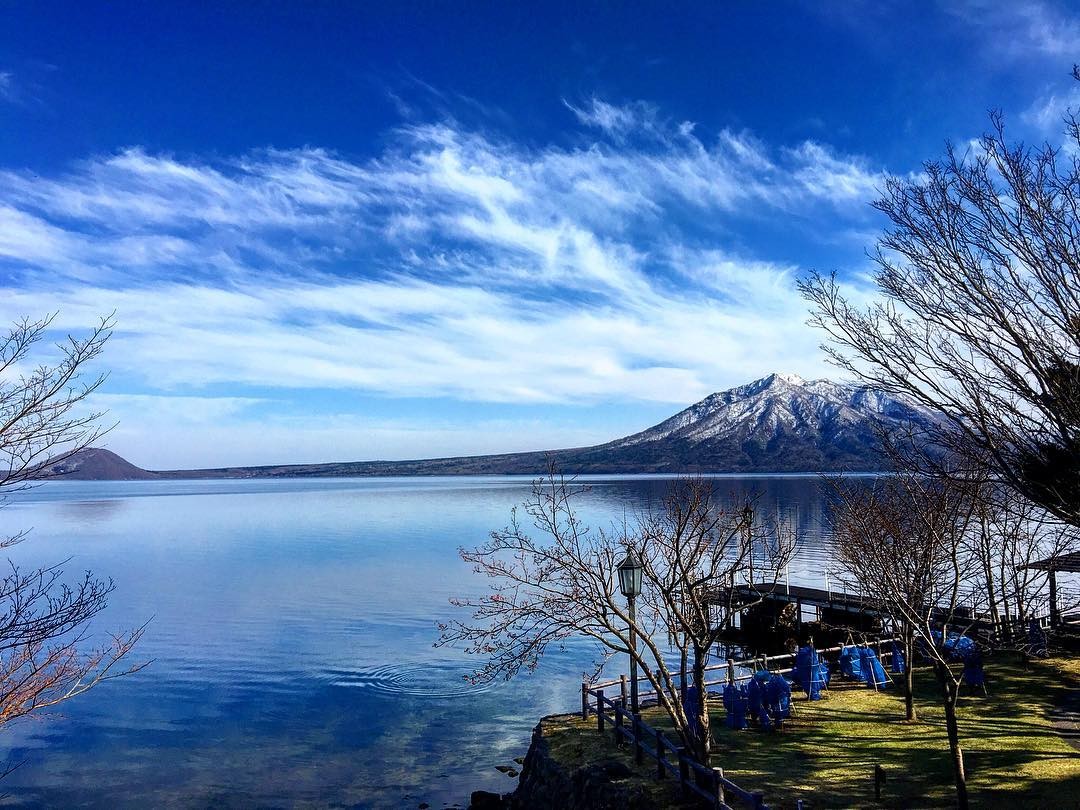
(557, 776)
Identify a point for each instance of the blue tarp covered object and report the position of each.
(861, 663)
(755, 694)
(898, 659)
(810, 672)
(778, 697)
(872, 671)
(973, 669)
(768, 698)
(735, 703)
(851, 662)
(958, 647)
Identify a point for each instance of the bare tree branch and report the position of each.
(979, 311)
(565, 585)
(44, 621)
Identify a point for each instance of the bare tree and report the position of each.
(40, 418)
(902, 541)
(44, 622)
(1010, 534)
(543, 591)
(978, 317)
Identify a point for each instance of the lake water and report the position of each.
(292, 632)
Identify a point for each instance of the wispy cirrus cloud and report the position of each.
(1047, 114)
(455, 264)
(1023, 27)
(8, 90)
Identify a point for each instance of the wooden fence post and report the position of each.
(684, 771)
(584, 700)
(731, 670)
(622, 688)
(600, 710)
(879, 780)
(635, 724)
(618, 725)
(659, 754)
(718, 787)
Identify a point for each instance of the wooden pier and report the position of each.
(804, 596)
(820, 600)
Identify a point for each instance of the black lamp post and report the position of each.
(630, 584)
(748, 526)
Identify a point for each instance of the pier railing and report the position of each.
(607, 702)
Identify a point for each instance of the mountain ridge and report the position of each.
(778, 423)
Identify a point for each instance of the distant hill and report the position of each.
(95, 464)
(780, 423)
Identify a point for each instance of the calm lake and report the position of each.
(291, 639)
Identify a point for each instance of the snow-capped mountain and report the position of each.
(780, 423)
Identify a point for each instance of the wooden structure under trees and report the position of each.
(818, 599)
(1061, 563)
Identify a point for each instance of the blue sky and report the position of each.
(338, 231)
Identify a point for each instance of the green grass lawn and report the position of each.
(826, 754)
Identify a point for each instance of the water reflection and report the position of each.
(99, 511)
(292, 638)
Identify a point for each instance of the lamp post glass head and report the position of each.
(630, 575)
(748, 515)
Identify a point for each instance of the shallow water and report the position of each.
(291, 638)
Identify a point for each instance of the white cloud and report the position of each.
(1021, 28)
(1047, 114)
(455, 264)
(840, 179)
(425, 339)
(638, 118)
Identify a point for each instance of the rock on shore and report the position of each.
(567, 782)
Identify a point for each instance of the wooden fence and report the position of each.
(671, 758)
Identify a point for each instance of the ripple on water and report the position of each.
(431, 680)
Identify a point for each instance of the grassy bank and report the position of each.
(827, 752)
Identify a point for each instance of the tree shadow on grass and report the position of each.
(827, 754)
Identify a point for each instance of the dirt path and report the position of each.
(1065, 716)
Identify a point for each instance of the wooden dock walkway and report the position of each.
(804, 596)
(817, 599)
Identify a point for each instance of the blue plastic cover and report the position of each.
(757, 698)
(959, 647)
(973, 669)
(851, 663)
(778, 697)
(872, 671)
(753, 697)
(735, 703)
(810, 672)
(898, 662)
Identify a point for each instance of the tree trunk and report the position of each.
(1007, 634)
(995, 616)
(682, 675)
(950, 691)
(703, 741)
(910, 714)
